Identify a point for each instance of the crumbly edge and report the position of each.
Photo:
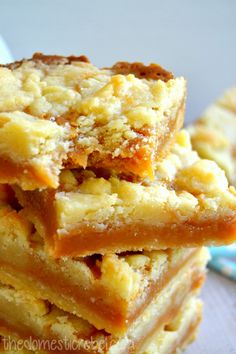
(213, 134)
(186, 188)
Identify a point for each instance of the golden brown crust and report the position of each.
(152, 71)
(49, 60)
(55, 59)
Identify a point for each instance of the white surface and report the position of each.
(217, 333)
(192, 38)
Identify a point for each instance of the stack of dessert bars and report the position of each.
(105, 209)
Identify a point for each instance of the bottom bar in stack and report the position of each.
(166, 325)
(172, 338)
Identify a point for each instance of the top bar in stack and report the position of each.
(189, 204)
(58, 112)
(213, 134)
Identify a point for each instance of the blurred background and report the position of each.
(196, 39)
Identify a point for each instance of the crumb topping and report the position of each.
(185, 188)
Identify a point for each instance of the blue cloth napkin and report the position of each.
(224, 260)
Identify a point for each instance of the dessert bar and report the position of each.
(189, 204)
(32, 317)
(60, 112)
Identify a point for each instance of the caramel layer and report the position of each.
(87, 240)
(48, 59)
(11, 171)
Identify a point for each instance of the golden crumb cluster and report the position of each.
(213, 134)
(185, 187)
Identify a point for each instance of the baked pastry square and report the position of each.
(29, 316)
(174, 337)
(189, 204)
(213, 134)
(60, 112)
(109, 291)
